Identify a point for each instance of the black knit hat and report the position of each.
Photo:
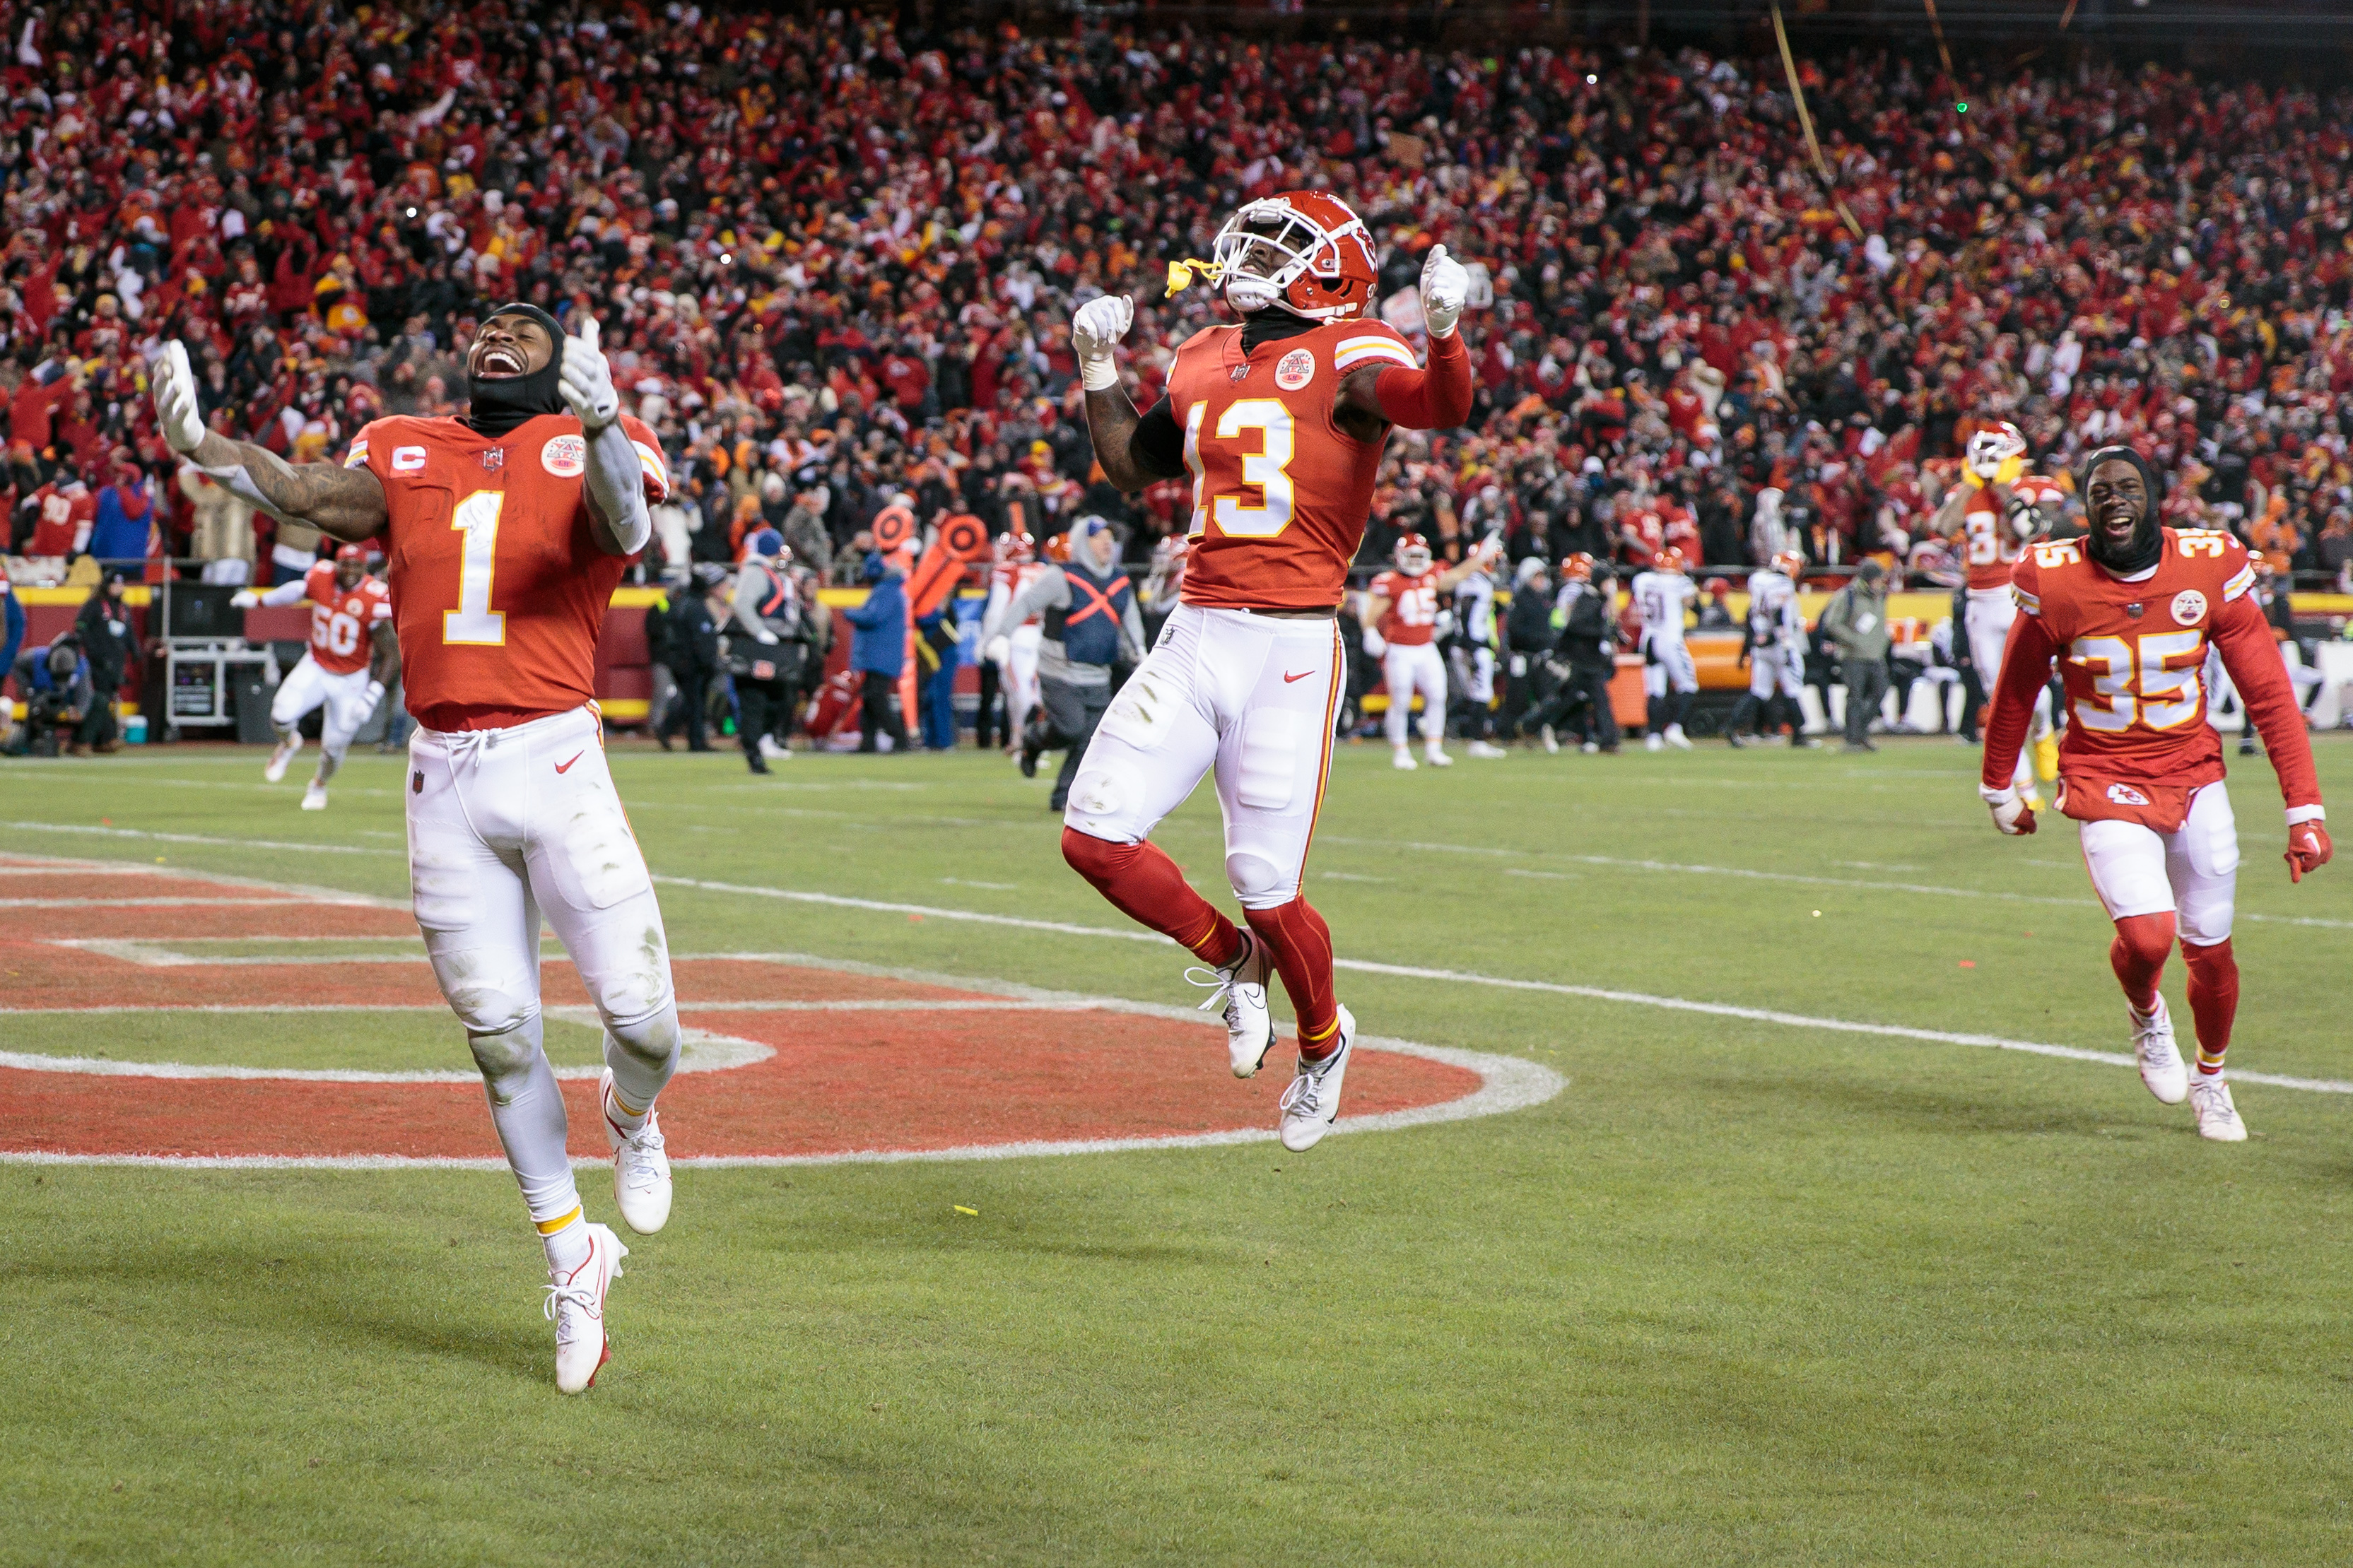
(2147, 542)
(498, 404)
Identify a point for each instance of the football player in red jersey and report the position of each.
(353, 657)
(1280, 420)
(2130, 611)
(1400, 622)
(507, 531)
(1988, 520)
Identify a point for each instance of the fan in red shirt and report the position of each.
(507, 531)
(2128, 612)
(1280, 420)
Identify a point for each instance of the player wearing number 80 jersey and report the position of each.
(1280, 421)
(351, 660)
(507, 531)
(2128, 612)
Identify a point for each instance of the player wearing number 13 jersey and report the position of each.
(507, 531)
(1280, 420)
(2128, 612)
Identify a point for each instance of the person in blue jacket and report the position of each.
(12, 638)
(878, 651)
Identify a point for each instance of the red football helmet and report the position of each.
(1671, 559)
(1578, 568)
(1790, 563)
(1412, 556)
(1058, 548)
(1016, 546)
(351, 552)
(1303, 250)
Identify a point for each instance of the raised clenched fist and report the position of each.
(176, 408)
(586, 381)
(1095, 329)
(1444, 287)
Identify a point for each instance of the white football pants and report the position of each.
(505, 826)
(1775, 666)
(1407, 669)
(1667, 666)
(2191, 873)
(1990, 612)
(1248, 698)
(1020, 676)
(345, 698)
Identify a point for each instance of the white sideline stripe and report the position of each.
(147, 903)
(199, 838)
(50, 866)
(700, 1050)
(1930, 890)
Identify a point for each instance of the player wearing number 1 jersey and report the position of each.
(352, 657)
(2129, 612)
(507, 531)
(1281, 421)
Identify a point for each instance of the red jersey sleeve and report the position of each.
(2243, 637)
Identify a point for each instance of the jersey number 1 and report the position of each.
(473, 621)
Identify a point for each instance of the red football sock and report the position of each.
(1144, 885)
(2138, 955)
(2213, 999)
(1302, 945)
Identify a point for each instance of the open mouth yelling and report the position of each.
(501, 359)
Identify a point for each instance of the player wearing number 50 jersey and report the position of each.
(507, 531)
(352, 657)
(1280, 420)
(2129, 612)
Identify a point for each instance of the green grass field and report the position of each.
(1746, 1291)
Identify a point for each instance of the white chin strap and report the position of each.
(1249, 295)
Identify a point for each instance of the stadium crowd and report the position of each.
(836, 261)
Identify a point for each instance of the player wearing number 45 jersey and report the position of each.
(2128, 612)
(507, 531)
(353, 655)
(1281, 421)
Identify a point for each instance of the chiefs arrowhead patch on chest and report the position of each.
(2188, 607)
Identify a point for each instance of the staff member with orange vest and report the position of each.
(1089, 622)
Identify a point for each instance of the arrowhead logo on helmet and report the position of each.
(1302, 250)
(1411, 554)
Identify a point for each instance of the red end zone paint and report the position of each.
(968, 1071)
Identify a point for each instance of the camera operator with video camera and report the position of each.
(58, 696)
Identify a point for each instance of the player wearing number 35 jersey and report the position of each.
(2128, 612)
(507, 531)
(1280, 420)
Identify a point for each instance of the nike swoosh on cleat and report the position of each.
(1288, 678)
(574, 757)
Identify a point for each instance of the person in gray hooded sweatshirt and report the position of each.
(1090, 622)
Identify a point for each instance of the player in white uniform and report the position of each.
(1774, 648)
(1401, 620)
(1016, 653)
(353, 656)
(1669, 680)
(1470, 656)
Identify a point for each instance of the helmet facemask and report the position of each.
(1270, 245)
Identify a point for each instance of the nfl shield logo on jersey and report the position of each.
(2124, 795)
(493, 459)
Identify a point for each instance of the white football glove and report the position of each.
(244, 599)
(2013, 815)
(997, 650)
(1990, 448)
(1444, 286)
(1095, 330)
(586, 381)
(176, 400)
(374, 694)
(1374, 644)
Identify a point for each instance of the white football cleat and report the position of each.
(1676, 738)
(577, 1303)
(315, 798)
(1481, 749)
(1435, 755)
(1551, 742)
(771, 750)
(1312, 1100)
(1242, 985)
(641, 1183)
(1590, 749)
(2161, 1066)
(1652, 742)
(282, 758)
(2209, 1098)
(1402, 759)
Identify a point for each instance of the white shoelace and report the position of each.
(1224, 983)
(638, 1152)
(583, 1297)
